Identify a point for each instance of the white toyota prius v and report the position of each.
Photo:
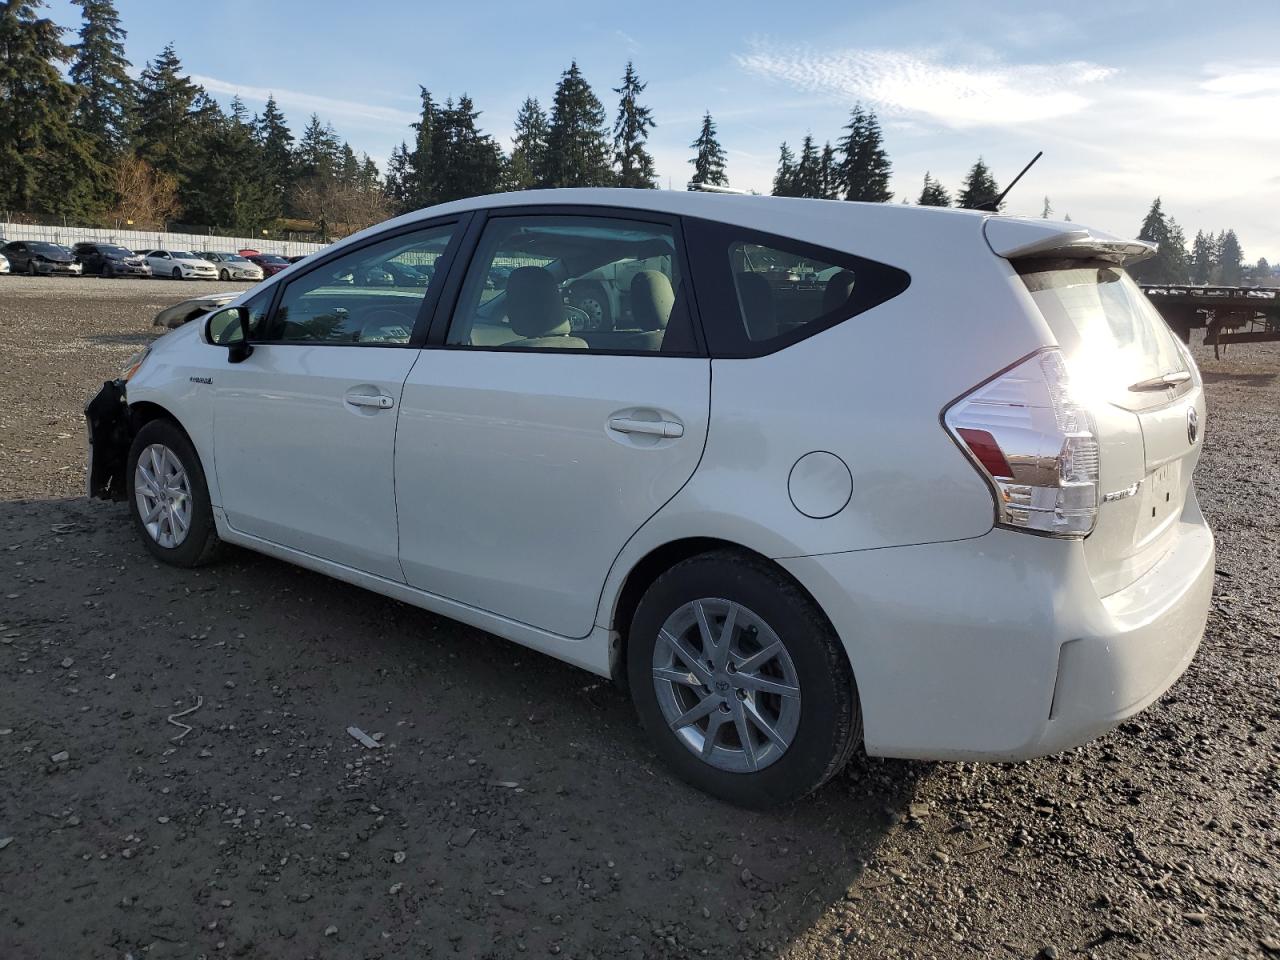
(797, 474)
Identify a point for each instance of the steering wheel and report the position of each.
(578, 318)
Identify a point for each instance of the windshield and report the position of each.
(184, 255)
(115, 251)
(272, 258)
(232, 258)
(1112, 335)
(49, 248)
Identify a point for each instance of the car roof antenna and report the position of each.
(993, 205)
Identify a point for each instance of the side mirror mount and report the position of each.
(229, 328)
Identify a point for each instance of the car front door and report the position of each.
(304, 428)
(530, 448)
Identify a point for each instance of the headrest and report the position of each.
(651, 300)
(756, 297)
(838, 291)
(534, 305)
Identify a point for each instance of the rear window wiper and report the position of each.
(1162, 382)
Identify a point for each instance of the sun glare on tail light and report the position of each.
(1035, 445)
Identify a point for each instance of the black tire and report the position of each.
(31, 268)
(224, 276)
(830, 725)
(593, 300)
(177, 273)
(108, 271)
(201, 543)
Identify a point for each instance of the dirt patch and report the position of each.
(513, 805)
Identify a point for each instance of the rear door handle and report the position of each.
(379, 400)
(670, 429)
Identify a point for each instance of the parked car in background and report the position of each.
(232, 266)
(4, 263)
(186, 311)
(39, 258)
(110, 260)
(298, 258)
(939, 502)
(271, 263)
(180, 265)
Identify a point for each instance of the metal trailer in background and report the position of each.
(1228, 314)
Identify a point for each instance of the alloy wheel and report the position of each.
(163, 493)
(726, 685)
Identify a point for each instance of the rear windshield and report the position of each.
(1112, 335)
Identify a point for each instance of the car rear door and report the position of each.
(527, 456)
(1144, 392)
(304, 428)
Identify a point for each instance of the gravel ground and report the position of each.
(513, 805)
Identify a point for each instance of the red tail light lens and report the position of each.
(1035, 445)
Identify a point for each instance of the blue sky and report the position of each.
(1128, 100)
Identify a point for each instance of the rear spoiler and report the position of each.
(1017, 239)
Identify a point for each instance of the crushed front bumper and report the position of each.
(107, 420)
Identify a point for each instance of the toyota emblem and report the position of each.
(1193, 425)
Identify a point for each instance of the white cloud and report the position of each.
(339, 112)
(895, 81)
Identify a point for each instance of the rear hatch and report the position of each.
(1141, 386)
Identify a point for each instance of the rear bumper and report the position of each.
(999, 648)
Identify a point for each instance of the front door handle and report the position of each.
(670, 429)
(379, 400)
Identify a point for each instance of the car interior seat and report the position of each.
(535, 310)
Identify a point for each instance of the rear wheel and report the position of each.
(740, 681)
(168, 496)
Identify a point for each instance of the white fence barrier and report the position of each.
(153, 239)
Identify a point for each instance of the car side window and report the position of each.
(372, 295)
(768, 291)
(588, 283)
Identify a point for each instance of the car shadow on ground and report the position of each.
(513, 804)
(141, 338)
(1239, 378)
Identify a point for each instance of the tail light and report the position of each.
(1034, 444)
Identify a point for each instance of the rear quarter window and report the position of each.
(761, 292)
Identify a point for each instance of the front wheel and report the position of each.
(224, 275)
(741, 682)
(177, 273)
(169, 498)
(108, 271)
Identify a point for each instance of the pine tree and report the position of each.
(808, 178)
(828, 173)
(275, 143)
(864, 167)
(48, 165)
(163, 132)
(348, 166)
(319, 153)
(396, 184)
(1169, 264)
(784, 179)
(979, 188)
(101, 73)
(420, 185)
(528, 147)
(1203, 258)
(1047, 210)
(630, 131)
(578, 138)
(1230, 260)
(227, 185)
(934, 194)
(708, 162)
(468, 163)
(370, 178)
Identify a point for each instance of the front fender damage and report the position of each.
(110, 435)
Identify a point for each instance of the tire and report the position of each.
(224, 276)
(177, 273)
(592, 299)
(199, 543)
(31, 268)
(108, 272)
(821, 725)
